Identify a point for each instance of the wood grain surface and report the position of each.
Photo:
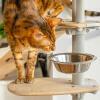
(52, 86)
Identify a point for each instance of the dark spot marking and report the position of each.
(92, 14)
(73, 86)
(25, 65)
(98, 14)
(17, 3)
(19, 59)
(8, 59)
(30, 24)
(25, 0)
(30, 17)
(15, 18)
(17, 26)
(25, 7)
(94, 85)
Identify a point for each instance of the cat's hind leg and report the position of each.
(56, 9)
(32, 57)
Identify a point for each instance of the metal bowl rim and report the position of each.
(84, 62)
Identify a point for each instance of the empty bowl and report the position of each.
(72, 62)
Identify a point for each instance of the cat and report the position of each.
(29, 24)
(45, 5)
(28, 29)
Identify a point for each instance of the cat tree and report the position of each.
(75, 65)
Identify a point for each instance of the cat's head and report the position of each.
(44, 37)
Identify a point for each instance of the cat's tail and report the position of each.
(68, 3)
(92, 13)
(10, 16)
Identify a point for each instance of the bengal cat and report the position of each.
(29, 27)
(43, 6)
(29, 24)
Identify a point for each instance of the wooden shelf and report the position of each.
(65, 24)
(52, 86)
(68, 24)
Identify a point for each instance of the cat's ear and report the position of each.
(53, 21)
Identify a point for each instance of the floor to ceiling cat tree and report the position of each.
(76, 86)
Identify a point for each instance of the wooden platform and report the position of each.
(68, 24)
(50, 86)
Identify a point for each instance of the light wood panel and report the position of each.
(69, 24)
(52, 86)
(7, 65)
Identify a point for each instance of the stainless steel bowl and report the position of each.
(72, 62)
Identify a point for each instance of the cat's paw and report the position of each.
(20, 80)
(29, 80)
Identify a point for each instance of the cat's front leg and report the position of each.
(19, 64)
(32, 57)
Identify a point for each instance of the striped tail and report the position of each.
(68, 3)
(92, 13)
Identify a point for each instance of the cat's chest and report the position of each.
(24, 44)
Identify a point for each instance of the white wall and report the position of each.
(91, 46)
